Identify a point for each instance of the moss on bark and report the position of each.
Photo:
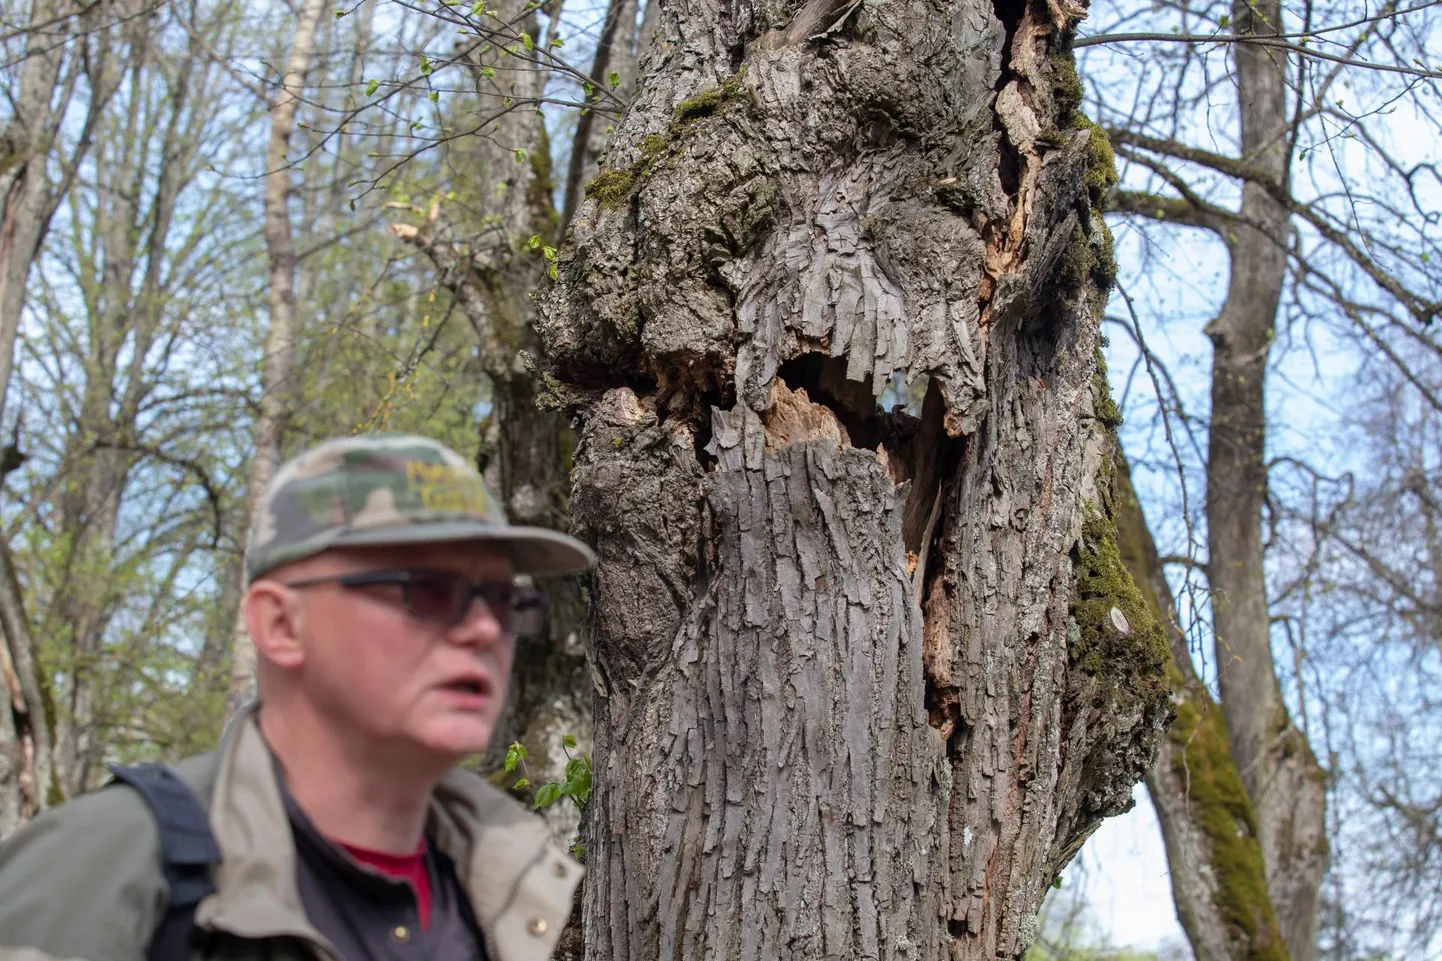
(1203, 761)
(1108, 644)
(613, 187)
(1092, 255)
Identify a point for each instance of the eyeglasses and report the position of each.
(446, 596)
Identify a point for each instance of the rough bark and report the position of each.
(1218, 874)
(280, 337)
(1281, 774)
(868, 680)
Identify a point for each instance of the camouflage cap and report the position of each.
(392, 489)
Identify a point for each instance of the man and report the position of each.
(383, 601)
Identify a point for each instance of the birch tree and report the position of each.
(280, 339)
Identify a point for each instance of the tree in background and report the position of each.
(1234, 123)
(59, 76)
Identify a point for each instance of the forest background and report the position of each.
(231, 229)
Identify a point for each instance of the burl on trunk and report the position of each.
(866, 680)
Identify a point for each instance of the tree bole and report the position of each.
(863, 690)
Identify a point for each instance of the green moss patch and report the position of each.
(1118, 635)
(1107, 410)
(611, 187)
(1093, 254)
(1203, 761)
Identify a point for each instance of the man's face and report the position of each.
(431, 690)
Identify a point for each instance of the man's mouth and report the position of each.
(474, 686)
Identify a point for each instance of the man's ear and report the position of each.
(274, 618)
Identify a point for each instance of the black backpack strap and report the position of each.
(187, 849)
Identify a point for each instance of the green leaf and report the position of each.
(478, 8)
(1226, 20)
(578, 779)
(558, 42)
(552, 271)
(522, 782)
(527, 42)
(521, 155)
(372, 87)
(547, 794)
(534, 242)
(340, 12)
(614, 79)
(426, 66)
(488, 72)
(435, 96)
(550, 254)
(515, 754)
(589, 90)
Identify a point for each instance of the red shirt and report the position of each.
(410, 868)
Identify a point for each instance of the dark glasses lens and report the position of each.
(447, 597)
(436, 597)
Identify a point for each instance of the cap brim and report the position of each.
(534, 550)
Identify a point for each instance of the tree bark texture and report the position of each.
(1218, 874)
(1281, 774)
(280, 337)
(869, 680)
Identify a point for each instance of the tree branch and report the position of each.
(1273, 42)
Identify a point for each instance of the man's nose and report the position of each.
(479, 625)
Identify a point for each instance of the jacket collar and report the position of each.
(493, 841)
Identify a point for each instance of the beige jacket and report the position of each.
(84, 880)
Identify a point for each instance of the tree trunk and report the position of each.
(26, 778)
(487, 265)
(24, 187)
(869, 680)
(1218, 874)
(26, 203)
(280, 338)
(63, 45)
(1282, 777)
